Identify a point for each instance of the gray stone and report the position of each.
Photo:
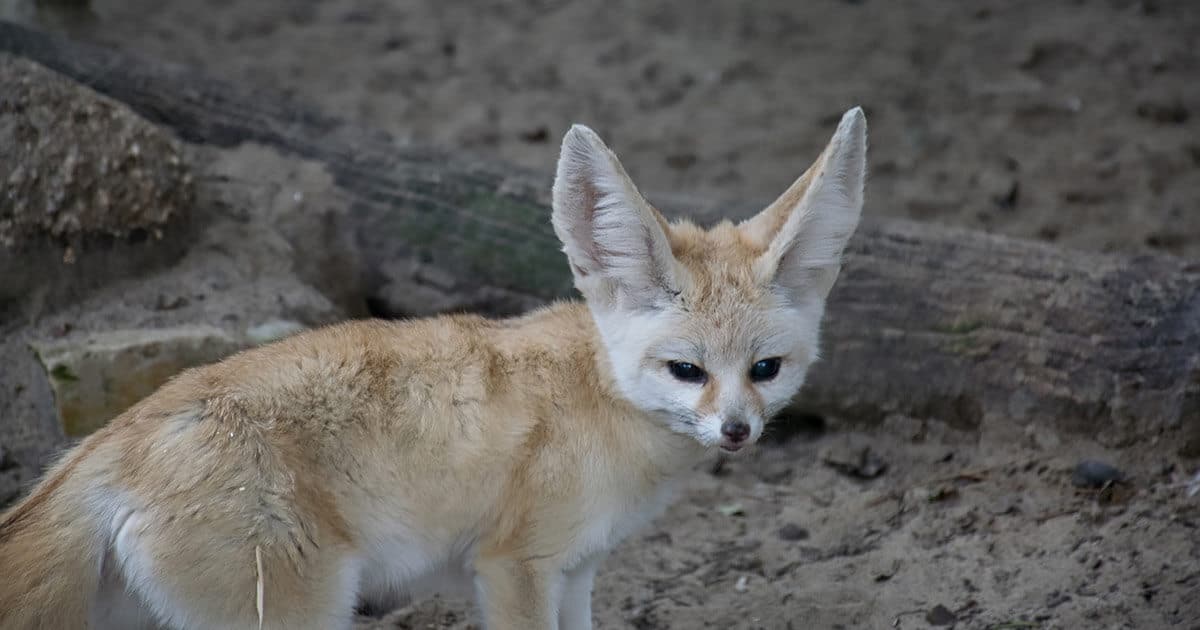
(89, 191)
(98, 376)
(273, 330)
(1091, 473)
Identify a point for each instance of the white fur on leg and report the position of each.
(115, 608)
(575, 611)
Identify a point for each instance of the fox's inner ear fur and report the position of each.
(614, 239)
(806, 229)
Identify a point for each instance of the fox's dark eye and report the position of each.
(686, 371)
(764, 370)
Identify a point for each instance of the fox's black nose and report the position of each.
(735, 430)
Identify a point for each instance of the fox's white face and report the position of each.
(717, 375)
(712, 330)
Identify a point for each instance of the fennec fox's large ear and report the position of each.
(806, 229)
(614, 239)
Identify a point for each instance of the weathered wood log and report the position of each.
(925, 321)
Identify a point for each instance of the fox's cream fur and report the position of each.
(376, 461)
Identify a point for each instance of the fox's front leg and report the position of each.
(575, 611)
(518, 594)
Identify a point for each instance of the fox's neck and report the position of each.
(567, 332)
(565, 335)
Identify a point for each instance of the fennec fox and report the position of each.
(376, 461)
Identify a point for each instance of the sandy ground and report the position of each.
(1074, 122)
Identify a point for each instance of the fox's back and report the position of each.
(345, 409)
(371, 404)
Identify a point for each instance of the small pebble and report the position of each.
(731, 509)
(273, 330)
(1193, 486)
(1165, 113)
(864, 464)
(940, 616)
(792, 531)
(1090, 473)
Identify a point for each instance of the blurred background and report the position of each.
(1072, 121)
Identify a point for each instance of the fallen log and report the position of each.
(926, 321)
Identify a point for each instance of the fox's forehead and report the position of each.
(737, 335)
(726, 311)
(722, 242)
(720, 263)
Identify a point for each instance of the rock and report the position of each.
(861, 463)
(792, 532)
(940, 616)
(273, 330)
(88, 190)
(99, 376)
(1090, 473)
(1163, 112)
(77, 163)
(29, 432)
(1000, 186)
(731, 509)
